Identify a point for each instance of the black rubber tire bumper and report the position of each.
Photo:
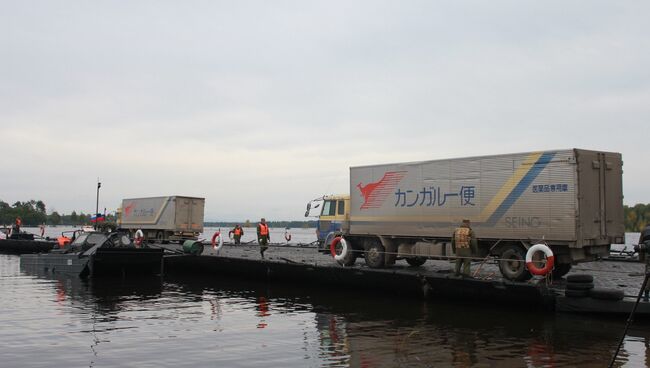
(580, 278)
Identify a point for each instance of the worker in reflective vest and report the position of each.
(464, 244)
(263, 236)
(237, 232)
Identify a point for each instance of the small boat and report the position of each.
(24, 243)
(98, 254)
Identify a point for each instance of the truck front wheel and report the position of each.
(512, 264)
(375, 254)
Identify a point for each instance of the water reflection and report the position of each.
(107, 294)
(366, 331)
(188, 322)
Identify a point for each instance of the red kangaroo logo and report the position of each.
(374, 194)
(128, 209)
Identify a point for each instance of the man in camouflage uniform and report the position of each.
(645, 257)
(464, 245)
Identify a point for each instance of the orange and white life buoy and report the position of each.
(550, 259)
(287, 235)
(344, 249)
(215, 241)
(139, 238)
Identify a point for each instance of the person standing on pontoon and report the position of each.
(263, 236)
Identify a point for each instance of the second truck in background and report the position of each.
(163, 219)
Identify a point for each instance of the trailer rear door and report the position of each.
(183, 213)
(600, 197)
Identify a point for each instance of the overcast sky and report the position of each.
(261, 106)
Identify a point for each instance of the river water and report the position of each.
(59, 321)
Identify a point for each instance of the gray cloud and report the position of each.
(261, 106)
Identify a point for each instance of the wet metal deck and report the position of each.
(432, 280)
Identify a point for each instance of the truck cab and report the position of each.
(333, 218)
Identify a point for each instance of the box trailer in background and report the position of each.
(172, 218)
(572, 200)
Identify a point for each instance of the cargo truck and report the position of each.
(163, 219)
(571, 200)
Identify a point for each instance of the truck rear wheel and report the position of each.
(513, 264)
(375, 254)
(416, 261)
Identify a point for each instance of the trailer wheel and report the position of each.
(561, 269)
(416, 261)
(375, 254)
(160, 237)
(513, 264)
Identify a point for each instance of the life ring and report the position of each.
(344, 251)
(139, 238)
(230, 235)
(550, 259)
(215, 241)
(287, 235)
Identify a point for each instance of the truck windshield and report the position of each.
(92, 239)
(329, 208)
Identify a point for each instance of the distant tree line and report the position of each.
(637, 217)
(33, 213)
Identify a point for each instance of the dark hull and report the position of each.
(109, 262)
(56, 263)
(21, 246)
(126, 262)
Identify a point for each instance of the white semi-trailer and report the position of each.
(571, 200)
(172, 218)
